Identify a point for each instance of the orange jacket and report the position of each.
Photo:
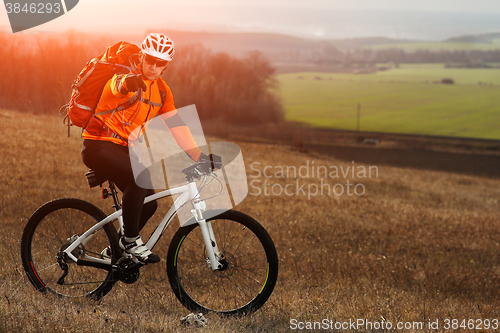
(117, 126)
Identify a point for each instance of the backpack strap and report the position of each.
(163, 95)
(147, 101)
(123, 105)
(163, 90)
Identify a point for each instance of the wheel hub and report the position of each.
(224, 263)
(77, 252)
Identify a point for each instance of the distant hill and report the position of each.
(239, 44)
(248, 41)
(483, 42)
(489, 38)
(277, 47)
(295, 54)
(357, 43)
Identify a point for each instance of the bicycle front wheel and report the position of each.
(49, 231)
(249, 273)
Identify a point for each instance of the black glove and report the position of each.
(214, 160)
(133, 82)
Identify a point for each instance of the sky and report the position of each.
(327, 19)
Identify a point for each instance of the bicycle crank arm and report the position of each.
(135, 266)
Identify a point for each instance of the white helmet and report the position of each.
(158, 46)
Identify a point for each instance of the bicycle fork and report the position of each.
(215, 257)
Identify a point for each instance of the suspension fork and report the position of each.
(206, 228)
(210, 244)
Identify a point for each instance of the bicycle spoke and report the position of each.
(56, 264)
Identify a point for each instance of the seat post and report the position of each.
(117, 206)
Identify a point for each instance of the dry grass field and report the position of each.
(415, 246)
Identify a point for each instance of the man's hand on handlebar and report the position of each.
(215, 161)
(205, 165)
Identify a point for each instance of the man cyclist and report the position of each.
(105, 145)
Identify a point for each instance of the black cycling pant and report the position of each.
(113, 161)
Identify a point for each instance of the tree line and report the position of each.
(38, 70)
(474, 58)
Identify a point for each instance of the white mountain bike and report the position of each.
(220, 260)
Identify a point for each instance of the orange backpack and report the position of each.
(121, 57)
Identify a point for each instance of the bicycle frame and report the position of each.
(187, 193)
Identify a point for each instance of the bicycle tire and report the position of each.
(249, 278)
(48, 232)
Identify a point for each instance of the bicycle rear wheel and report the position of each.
(249, 273)
(49, 231)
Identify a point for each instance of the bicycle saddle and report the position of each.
(94, 178)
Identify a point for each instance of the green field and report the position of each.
(408, 99)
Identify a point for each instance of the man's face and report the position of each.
(152, 67)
